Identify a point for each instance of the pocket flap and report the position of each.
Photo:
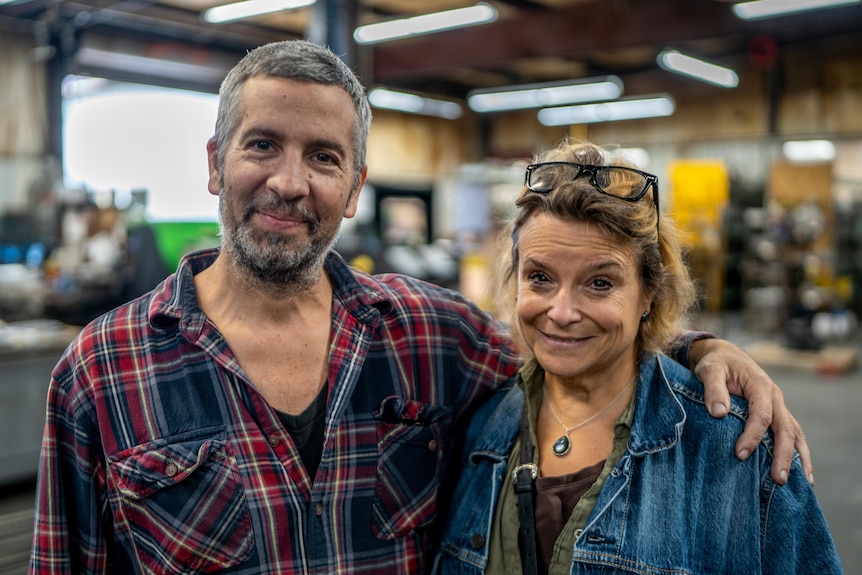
(146, 468)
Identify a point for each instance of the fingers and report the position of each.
(787, 433)
(759, 419)
(788, 437)
(716, 394)
(805, 456)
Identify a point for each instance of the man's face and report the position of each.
(287, 178)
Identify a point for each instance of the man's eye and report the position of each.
(262, 145)
(324, 158)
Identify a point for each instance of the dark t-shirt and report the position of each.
(306, 429)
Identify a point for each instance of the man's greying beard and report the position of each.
(274, 260)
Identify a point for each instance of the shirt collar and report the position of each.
(175, 299)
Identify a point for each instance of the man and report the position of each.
(267, 409)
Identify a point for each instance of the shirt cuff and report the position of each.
(682, 344)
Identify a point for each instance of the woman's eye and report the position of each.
(602, 284)
(537, 278)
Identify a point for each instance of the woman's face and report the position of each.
(580, 298)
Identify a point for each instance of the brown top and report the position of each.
(556, 498)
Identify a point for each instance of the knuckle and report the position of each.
(761, 412)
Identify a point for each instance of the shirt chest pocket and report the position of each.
(183, 501)
(410, 449)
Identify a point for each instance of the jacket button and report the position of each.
(273, 440)
(171, 469)
(477, 541)
(432, 445)
(318, 509)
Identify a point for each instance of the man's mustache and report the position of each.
(281, 208)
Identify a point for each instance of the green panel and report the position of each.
(175, 239)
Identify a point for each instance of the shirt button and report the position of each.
(171, 469)
(477, 541)
(273, 440)
(432, 445)
(318, 509)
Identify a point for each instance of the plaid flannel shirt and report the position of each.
(159, 455)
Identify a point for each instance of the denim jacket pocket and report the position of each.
(410, 449)
(184, 503)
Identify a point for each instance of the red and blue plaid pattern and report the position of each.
(159, 455)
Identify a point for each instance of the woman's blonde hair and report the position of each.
(656, 244)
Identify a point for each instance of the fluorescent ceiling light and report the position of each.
(543, 95)
(251, 8)
(673, 61)
(145, 65)
(770, 8)
(631, 109)
(481, 13)
(404, 102)
(809, 151)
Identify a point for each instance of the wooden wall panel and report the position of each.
(822, 96)
(23, 122)
(407, 148)
(22, 98)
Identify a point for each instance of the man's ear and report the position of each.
(212, 164)
(353, 202)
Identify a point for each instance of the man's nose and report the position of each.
(290, 177)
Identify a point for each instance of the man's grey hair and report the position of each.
(295, 60)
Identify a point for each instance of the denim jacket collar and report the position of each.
(658, 426)
(659, 419)
(498, 435)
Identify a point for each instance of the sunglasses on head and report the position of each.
(627, 184)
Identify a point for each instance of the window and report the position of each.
(120, 137)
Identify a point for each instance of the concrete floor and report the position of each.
(829, 407)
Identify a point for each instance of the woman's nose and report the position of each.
(565, 308)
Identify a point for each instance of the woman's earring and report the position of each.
(645, 316)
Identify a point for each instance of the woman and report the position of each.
(617, 464)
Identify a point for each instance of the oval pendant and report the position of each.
(562, 446)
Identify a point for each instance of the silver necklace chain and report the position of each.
(592, 417)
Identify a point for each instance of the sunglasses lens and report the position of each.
(621, 182)
(546, 177)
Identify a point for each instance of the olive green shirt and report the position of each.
(504, 557)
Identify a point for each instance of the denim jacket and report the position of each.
(678, 501)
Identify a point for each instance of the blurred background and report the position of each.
(749, 113)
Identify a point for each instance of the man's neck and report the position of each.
(225, 291)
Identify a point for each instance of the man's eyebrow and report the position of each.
(257, 132)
